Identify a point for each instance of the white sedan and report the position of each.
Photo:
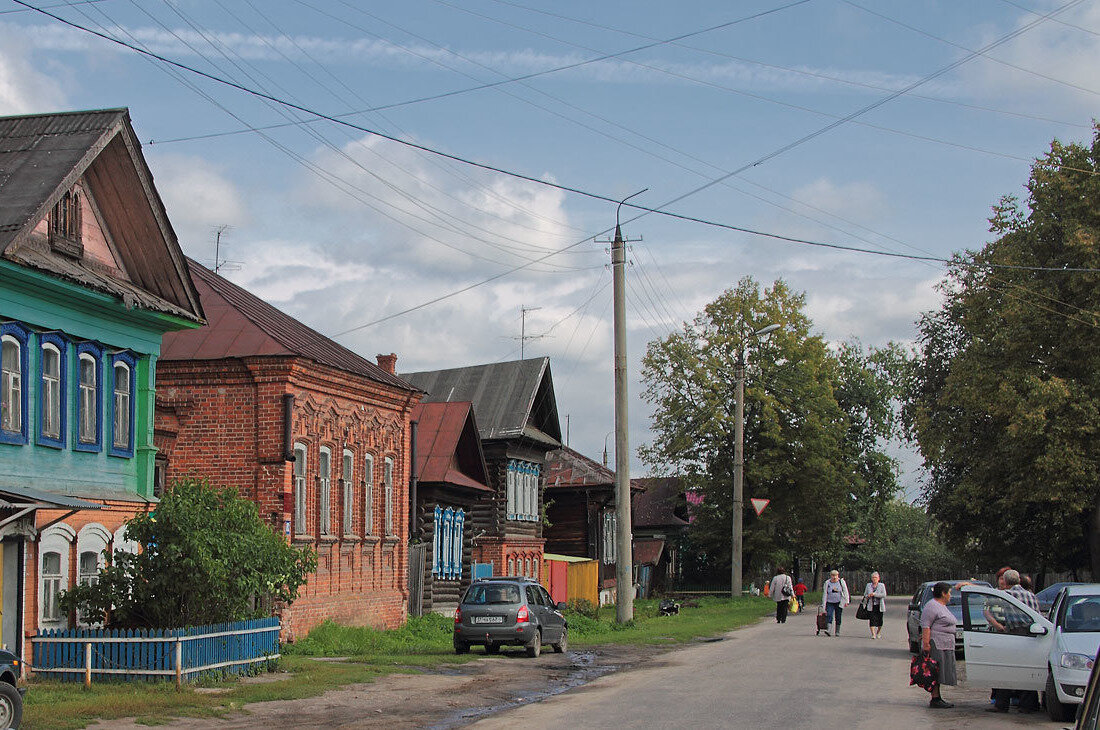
(1011, 646)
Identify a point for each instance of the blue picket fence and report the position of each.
(180, 654)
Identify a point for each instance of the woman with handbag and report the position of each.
(873, 605)
(781, 590)
(938, 640)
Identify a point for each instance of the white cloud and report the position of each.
(199, 197)
(24, 88)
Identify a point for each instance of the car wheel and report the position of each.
(535, 647)
(461, 647)
(492, 648)
(562, 645)
(914, 647)
(1057, 711)
(11, 706)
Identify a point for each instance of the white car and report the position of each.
(1011, 646)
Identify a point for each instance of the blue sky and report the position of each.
(341, 228)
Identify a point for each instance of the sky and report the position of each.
(348, 230)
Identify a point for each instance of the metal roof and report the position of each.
(569, 469)
(511, 399)
(656, 505)
(43, 155)
(448, 449)
(240, 324)
(15, 497)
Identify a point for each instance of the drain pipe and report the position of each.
(288, 427)
(413, 482)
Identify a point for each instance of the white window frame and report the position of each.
(456, 543)
(51, 393)
(437, 541)
(324, 483)
(59, 539)
(348, 482)
(301, 491)
(368, 494)
(88, 400)
(609, 551)
(387, 479)
(12, 386)
(120, 431)
(511, 490)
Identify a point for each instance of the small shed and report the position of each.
(567, 578)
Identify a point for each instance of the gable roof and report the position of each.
(656, 505)
(43, 155)
(448, 448)
(512, 399)
(569, 469)
(240, 324)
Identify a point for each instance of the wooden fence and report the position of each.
(78, 654)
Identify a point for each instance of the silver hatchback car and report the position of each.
(498, 612)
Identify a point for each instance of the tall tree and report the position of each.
(802, 450)
(1004, 398)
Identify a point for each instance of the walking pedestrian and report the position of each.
(800, 593)
(834, 597)
(875, 596)
(781, 591)
(938, 640)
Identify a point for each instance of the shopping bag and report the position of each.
(924, 671)
(793, 607)
(822, 621)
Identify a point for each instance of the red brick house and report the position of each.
(318, 436)
(451, 480)
(517, 418)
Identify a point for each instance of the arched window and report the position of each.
(324, 478)
(511, 566)
(88, 569)
(51, 586)
(368, 494)
(54, 545)
(11, 385)
(300, 489)
(387, 482)
(89, 397)
(348, 484)
(527, 567)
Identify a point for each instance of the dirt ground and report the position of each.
(447, 698)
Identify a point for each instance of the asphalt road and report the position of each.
(770, 676)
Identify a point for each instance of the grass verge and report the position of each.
(423, 642)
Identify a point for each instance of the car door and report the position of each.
(1006, 642)
(535, 605)
(912, 618)
(554, 617)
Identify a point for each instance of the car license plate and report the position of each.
(488, 619)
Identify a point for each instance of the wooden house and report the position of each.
(659, 514)
(580, 498)
(517, 419)
(451, 479)
(91, 278)
(318, 436)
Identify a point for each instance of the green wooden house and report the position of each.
(91, 277)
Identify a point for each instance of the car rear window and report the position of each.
(492, 593)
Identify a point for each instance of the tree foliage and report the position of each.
(1004, 396)
(206, 557)
(814, 423)
(903, 539)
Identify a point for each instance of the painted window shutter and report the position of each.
(511, 489)
(448, 534)
(437, 542)
(460, 528)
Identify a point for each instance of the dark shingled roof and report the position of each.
(43, 155)
(569, 469)
(511, 399)
(448, 449)
(655, 507)
(240, 324)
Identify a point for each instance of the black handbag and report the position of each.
(863, 613)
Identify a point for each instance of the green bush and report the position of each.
(584, 607)
(420, 634)
(206, 557)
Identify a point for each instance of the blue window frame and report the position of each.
(53, 389)
(88, 429)
(14, 338)
(123, 395)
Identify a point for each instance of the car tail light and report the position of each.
(521, 615)
(458, 615)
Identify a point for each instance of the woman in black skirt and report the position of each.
(875, 596)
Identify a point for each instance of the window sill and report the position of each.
(303, 538)
(12, 438)
(88, 448)
(329, 538)
(371, 539)
(50, 442)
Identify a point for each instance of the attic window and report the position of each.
(65, 225)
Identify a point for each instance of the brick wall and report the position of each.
(223, 420)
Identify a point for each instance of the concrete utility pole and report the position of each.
(739, 463)
(624, 558)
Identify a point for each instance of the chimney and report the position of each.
(388, 362)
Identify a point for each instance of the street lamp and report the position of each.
(739, 460)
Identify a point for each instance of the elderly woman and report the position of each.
(874, 595)
(938, 640)
(834, 597)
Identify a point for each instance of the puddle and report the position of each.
(581, 670)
